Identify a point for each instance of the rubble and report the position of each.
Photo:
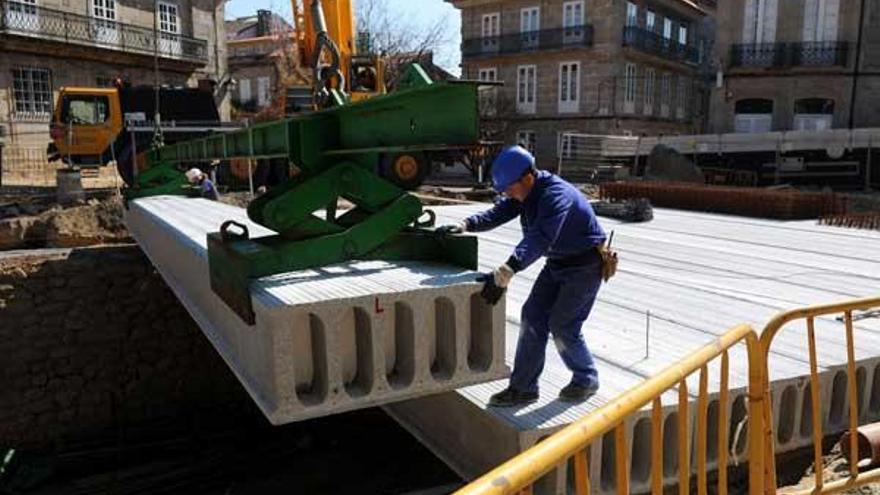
(93, 222)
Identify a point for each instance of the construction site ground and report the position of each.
(249, 455)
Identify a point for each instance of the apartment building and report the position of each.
(798, 64)
(259, 47)
(591, 66)
(47, 44)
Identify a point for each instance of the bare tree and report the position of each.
(401, 39)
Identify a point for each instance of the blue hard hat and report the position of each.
(509, 166)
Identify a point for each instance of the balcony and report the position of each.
(42, 24)
(545, 39)
(784, 55)
(655, 44)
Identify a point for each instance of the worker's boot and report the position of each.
(574, 392)
(510, 397)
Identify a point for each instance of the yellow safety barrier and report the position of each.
(810, 314)
(517, 475)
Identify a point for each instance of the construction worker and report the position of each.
(559, 223)
(202, 184)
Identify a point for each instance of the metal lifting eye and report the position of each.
(432, 218)
(227, 235)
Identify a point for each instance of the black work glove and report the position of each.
(456, 228)
(495, 283)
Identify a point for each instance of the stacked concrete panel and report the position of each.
(331, 339)
(684, 279)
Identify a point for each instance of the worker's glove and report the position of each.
(455, 228)
(495, 283)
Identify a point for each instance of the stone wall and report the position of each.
(93, 339)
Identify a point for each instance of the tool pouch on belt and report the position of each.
(609, 260)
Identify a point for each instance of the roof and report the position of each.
(242, 28)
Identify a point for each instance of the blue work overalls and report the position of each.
(559, 223)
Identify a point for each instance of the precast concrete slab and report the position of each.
(329, 339)
(684, 279)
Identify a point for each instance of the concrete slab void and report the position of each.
(332, 339)
(692, 276)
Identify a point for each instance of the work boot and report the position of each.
(511, 397)
(574, 392)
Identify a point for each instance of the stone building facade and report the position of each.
(48, 44)
(798, 64)
(591, 66)
(259, 48)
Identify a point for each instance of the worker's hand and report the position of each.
(495, 283)
(455, 228)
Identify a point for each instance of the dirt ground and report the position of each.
(36, 221)
(797, 472)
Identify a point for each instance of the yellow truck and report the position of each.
(92, 127)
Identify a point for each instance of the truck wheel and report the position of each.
(406, 170)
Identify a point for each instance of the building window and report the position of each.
(569, 86)
(813, 114)
(683, 34)
(649, 91)
(632, 14)
(263, 84)
(568, 148)
(525, 89)
(22, 14)
(667, 28)
(32, 92)
(488, 94)
(488, 74)
(682, 97)
(104, 23)
(650, 20)
(244, 90)
(573, 22)
(491, 30)
(665, 96)
(530, 24)
(759, 21)
(526, 139)
(169, 29)
(573, 14)
(28, 7)
(820, 20)
(753, 115)
(629, 88)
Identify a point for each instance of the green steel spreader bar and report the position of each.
(335, 154)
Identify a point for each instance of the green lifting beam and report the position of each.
(336, 154)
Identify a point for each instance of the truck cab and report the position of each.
(84, 124)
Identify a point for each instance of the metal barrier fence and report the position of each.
(518, 475)
(809, 315)
(28, 166)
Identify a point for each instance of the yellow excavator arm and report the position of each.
(340, 28)
(328, 43)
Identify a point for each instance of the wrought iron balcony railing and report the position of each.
(25, 19)
(655, 44)
(800, 54)
(545, 39)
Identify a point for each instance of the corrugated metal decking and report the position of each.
(334, 338)
(697, 274)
